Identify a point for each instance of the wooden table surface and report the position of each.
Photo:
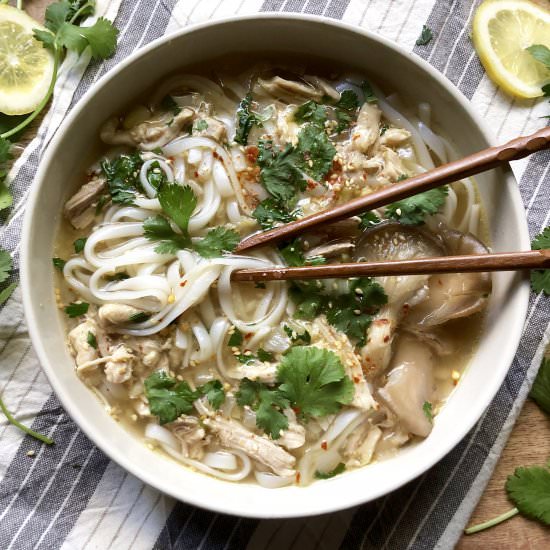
(529, 444)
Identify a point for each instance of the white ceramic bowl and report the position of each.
(399, 70)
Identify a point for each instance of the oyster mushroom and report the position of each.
(393, 241)
(410, 384)
(453, 295)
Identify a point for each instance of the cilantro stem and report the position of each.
(19, 4)
(24, 428)
(79, 11)
(42, 104)
(492, 522)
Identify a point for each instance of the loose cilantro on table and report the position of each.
(339, 469)
(314, 381)
(178, 203)
(5, 265)
(76, 309)
(540, 391)
(413, 210)
(168, 399)
(246, 119)
(79, 244)
(540, 278)
(425, 36)
(122, 176)
(350, 313)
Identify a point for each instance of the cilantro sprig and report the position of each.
(413, 210)
(122, 175)
(540, 278)
(168, 399)
(178, 203)
(339, 469)
(425, 37)
(246, 119)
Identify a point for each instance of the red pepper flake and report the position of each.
(296, 410)
(183, 283)
(298, 475)
(251, 153)
(216, 156)
(356, 379)
(381, 321)
(248, 334)
(196, 174)
(386, 339)
(406, 308)
(324, 445)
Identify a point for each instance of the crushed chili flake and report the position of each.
(183, 283)
(386, 339)
(356, 379)
(196, 174)
(216, 156)
(324, 445)
(248, 334)
(298, 475)
(251, 153)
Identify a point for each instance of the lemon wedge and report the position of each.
(502, 30)
(26, 67)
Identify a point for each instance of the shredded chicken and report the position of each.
(234, 436)
(117, 314)
(280, 87)
(192, 436)
(80, 208)
(79, 342)
(118, 369)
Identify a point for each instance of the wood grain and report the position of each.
(528, 444)
(470, 165)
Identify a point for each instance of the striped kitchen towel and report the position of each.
(71, 496)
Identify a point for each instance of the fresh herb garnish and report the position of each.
(120, 276)
(79, 244)
(58, 263)
(156, 176)
(200, 125)
(541, 53)
(368, 92)
(314, 381)
(5, 265)
(296, 337)
(540, 391)
(168, 399)
(340, 468)
(269, 213)
(236, 338)
(168, 103)
(413, 210)
(91, 339)
(22, 427)
(368, 219)
(139, 317)
(6, 198)
(246, 119)
(294, 256)
(350, 313)
(76, 309)
(217, 241)
(268, 404)
(425, 36)
(265, 356)
(345, 109)
(249, 357)
(540, 278)
(428, 410)
(310, 111)
(316, 151)
(122, 176)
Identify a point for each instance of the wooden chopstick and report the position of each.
(453, 171)
(502, 261)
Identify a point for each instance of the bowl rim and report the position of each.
(31, 310)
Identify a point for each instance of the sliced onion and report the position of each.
(221, 460)
(249, 418)
(272, 481)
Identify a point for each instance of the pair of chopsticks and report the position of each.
(468, 166)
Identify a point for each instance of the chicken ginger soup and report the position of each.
(279, 382)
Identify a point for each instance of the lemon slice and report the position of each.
(26, 67)
(502, 30)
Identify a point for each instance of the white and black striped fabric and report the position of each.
(71, 496)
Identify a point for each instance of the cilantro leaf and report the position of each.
(293, 255)
(56, 14)
(7, 292)
(236, 339)
(268, 404)
(170, 104)
(348, 101)
(265, 356)
(157, 228)
(76, 309)
(413, 210)
(58, 263)
(279, 173)
(79, 244)
(246, 119)
(5, 265)
(340, 468)
(368, 92)
(268, 213)
(167, 398)
(91, 339)
(529, 489)
(216, 241)
(368, 219)
(540, 391)
(314, 381)
(139, 317)
(427, 408)
(213, 390)
(540, 278)
(317, 151)
(122, 176)
(101, 37)
(178, 202)
(156, 176)
(541, 53)
(425, 36)
(310, 111)
(297, 337)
